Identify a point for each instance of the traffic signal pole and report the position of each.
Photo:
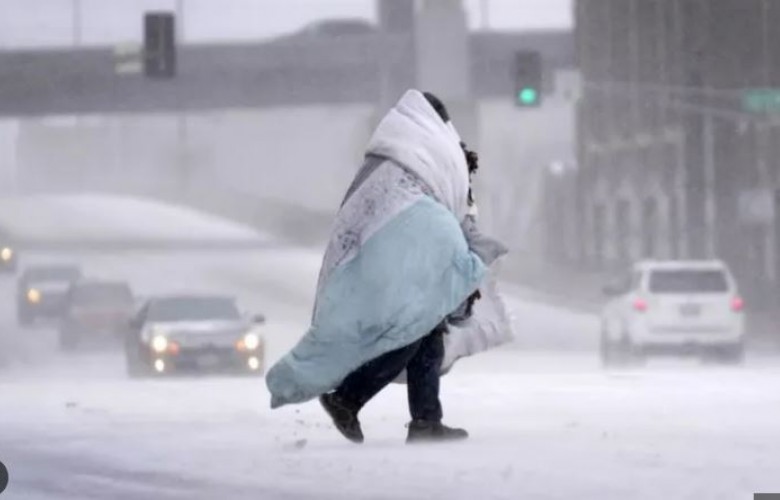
(182, 124)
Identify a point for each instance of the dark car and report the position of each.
(8, 257)
(41, 292)
(95, 312)
(189, 332)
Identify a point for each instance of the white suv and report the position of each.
(677, 307)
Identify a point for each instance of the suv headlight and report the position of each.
(33, 296)
(6, 254)
(159, 343)
(251, 341)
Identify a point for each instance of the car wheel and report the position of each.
(731, 355)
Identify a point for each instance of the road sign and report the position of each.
(761, 100)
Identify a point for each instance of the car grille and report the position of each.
(201, 340)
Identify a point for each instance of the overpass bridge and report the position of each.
(292, 71)
(270, 133)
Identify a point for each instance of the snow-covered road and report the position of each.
(544, 423)
(543, 426)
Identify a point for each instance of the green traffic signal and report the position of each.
(528, 96)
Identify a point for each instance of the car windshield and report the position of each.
(102, 294)
(688, 281)
(193, 309)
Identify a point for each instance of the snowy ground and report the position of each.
(90, 217)
(544, 423)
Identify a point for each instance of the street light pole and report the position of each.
(484, 14)
(710, 208)
(76, 12)
(180, 21)
(182, 124)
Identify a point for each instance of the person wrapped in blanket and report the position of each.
(403, 269)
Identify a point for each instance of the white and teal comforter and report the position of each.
(398, 262)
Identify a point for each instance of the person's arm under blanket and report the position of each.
(488, 250)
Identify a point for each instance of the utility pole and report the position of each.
(769, 235)
(76, 12)
(710, 214)
(182, 124)
(77, 34)
(180, 21)
(708, 142)
(484, 14)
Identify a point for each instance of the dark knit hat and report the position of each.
(441, 110)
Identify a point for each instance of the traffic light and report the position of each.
(528, 79)
(159, 45)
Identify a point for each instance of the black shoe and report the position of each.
(344, 417)
(424, 431)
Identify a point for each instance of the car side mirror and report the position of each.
(258, 319)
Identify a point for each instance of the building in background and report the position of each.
(672, 164)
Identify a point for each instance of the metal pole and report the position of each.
(669, 102)
(766, 49)
(180, 21)
(766, 232)
(76, 11)
(708, 130)
(634, 78)
(484, 14)
(182, 125)
(662, 34)
(709, 183)
(681, 244)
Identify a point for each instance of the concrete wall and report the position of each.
(302, 155)
(306, 155)
(8, 136)
(518, 148)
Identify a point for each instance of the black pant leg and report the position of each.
(364, 383)
(423, 373)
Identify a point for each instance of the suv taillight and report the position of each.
(737, 304)
(640, 304)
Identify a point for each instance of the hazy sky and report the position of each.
(50, 22)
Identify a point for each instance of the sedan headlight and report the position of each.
(251, 341)
(6, 254)
(33, 296)
(159, 343)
